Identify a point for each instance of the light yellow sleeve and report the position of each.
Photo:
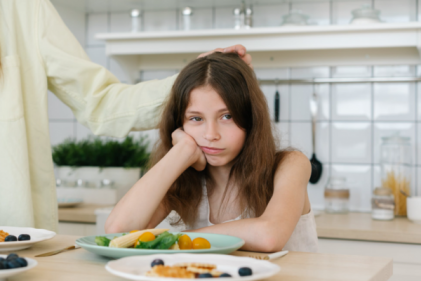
(96, 97)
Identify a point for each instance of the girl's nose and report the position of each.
(211, 133)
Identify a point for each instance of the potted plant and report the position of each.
(99, 163)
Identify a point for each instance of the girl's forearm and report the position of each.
(259, 235)
(136, 208)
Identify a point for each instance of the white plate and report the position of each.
(37, 235)
(4, 273)
(135, 267)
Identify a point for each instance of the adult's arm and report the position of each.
(96, 97)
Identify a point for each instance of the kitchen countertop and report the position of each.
(84, 213)
(295, 266)
(360, 226)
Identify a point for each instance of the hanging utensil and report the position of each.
(277, 106)
(316, 165)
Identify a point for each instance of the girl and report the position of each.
(217, 166)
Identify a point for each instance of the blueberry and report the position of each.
(245, 271)
(3, 264)
(157, 262)
(10, 238)
(12, 264)
(224, 275)
(205, 275)
(22, 262)
(12, 256)
(24, 237)
(2, 259)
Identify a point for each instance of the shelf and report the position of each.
(123, 6)
(379, 44)
(265, 39)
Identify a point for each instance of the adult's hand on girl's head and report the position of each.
(239, 49)
(182, 138)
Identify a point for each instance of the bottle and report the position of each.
(248, 20)
(337, 196)
(395, 159)
(135, 15)
(187, 13)
(382, 204)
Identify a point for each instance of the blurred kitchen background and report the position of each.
(358, 61)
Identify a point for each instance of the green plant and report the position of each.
(129, 153)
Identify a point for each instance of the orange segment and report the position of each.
(201, 243)
(133, 231)
(147, 236)
(185, 243)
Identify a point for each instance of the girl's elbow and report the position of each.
(272, 244)
(272, 240)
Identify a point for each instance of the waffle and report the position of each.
(197, 271)
(170, 271)
(3, 235)
(196, 265)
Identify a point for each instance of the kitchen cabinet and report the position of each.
(406, 257)
(358, 234)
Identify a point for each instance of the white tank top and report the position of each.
(303, 238)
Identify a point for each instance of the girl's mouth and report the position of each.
(211, 150)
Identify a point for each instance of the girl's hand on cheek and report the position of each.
(179, 137)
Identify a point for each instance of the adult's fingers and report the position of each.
(239, 49)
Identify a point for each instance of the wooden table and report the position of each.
(82, 213)
(360, 226)
(80, 265)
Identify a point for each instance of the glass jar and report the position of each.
(337, 196)
(365, 15)
(383, 204)
(295, 18)
(395, 158)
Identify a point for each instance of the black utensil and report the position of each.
(277, 106)
(316, 165)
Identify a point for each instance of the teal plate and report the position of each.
(220, 244)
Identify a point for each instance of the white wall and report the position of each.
(352, 118)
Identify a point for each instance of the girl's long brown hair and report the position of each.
(254, 167)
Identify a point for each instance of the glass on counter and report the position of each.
(383, 204)
(337, 196)
(395, 158)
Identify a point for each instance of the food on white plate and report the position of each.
(3, 235)
(12, 261)
(245, 271)
(154, 239)
(184, 270)
(7, 237)
(170, 271)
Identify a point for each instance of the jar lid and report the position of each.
(382, 191)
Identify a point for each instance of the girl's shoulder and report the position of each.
(291, 162)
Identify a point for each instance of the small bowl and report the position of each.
(413, 207)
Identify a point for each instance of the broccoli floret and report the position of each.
(102, 241)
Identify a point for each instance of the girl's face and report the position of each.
(209, 122)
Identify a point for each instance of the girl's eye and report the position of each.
(227, 116)
(197, 119)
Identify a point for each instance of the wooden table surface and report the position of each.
(81, 213)
(360, 226)
(80, 265)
